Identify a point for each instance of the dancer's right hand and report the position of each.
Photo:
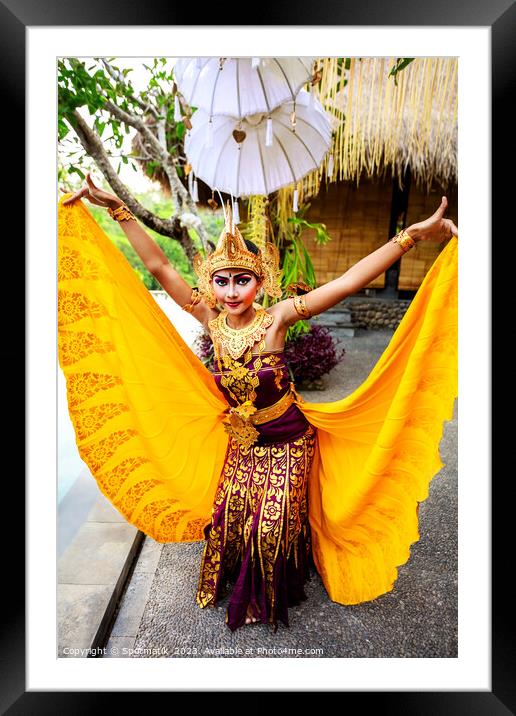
(94, 194)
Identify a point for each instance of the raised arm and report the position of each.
(147, 249)
(320, 299)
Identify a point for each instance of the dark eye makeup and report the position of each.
(221, 281)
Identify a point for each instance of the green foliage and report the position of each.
(214, 223)
(296, 262)
(172, 249)
(90, 87)
(321, 236)
(297, 330)
(343, 64)
(401, 63)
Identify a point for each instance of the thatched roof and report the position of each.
(380, 123)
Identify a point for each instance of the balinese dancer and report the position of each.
(273, 484)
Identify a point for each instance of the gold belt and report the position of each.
(242, 418)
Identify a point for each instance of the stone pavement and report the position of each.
(158, 616)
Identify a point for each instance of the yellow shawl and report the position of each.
(147, 415)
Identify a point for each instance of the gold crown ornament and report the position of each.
(231, 252)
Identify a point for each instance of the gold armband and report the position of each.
(121, 213)
(404, 240)
(300, 306)
(194, 300)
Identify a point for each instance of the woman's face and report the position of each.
(235, 286)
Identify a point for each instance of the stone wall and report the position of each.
(373, 313)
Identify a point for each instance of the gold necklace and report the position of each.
(236, 341)
(240, 383)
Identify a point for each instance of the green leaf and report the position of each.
(62, 129)
(180, 130)
(76, 170)
(401, 63)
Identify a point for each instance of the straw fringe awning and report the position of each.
(378, 123)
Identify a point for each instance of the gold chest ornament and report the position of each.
(239, 380)
(235, 341)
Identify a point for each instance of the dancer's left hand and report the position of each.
(435, 228)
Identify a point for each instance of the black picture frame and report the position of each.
(15, 17)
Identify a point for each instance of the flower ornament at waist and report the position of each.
(244, 410)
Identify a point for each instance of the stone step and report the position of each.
(337, 318)
(343, 331)
(339, 329)
(337, 314)
(325, 320)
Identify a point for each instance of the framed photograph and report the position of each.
(478, 678)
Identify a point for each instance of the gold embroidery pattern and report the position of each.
(242, 417)
(112, 480)
(74, 225)
(168, 528)
(81, 386)
(88, 267)
(135, 493)
(251, 370)
(90, 420)
(74, 346)
(271, 360)
(238, 423)
(72, 307)
(239, 381)
(261, 506)
(231, 529)
(278, 375)
(71, 265)
(194, 531)
(96, 455)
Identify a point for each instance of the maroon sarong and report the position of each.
(258, 541)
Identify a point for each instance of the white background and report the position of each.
(471, 670)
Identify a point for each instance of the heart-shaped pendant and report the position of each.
(316, 77)
(239, 136)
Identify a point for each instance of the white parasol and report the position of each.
(238, 86)
(239, 160)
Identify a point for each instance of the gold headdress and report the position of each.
(231, 252)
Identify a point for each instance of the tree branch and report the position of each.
(119, 77)
(180, 196)
(166, 227)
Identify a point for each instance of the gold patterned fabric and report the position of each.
(140, 401)
(258, 543)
